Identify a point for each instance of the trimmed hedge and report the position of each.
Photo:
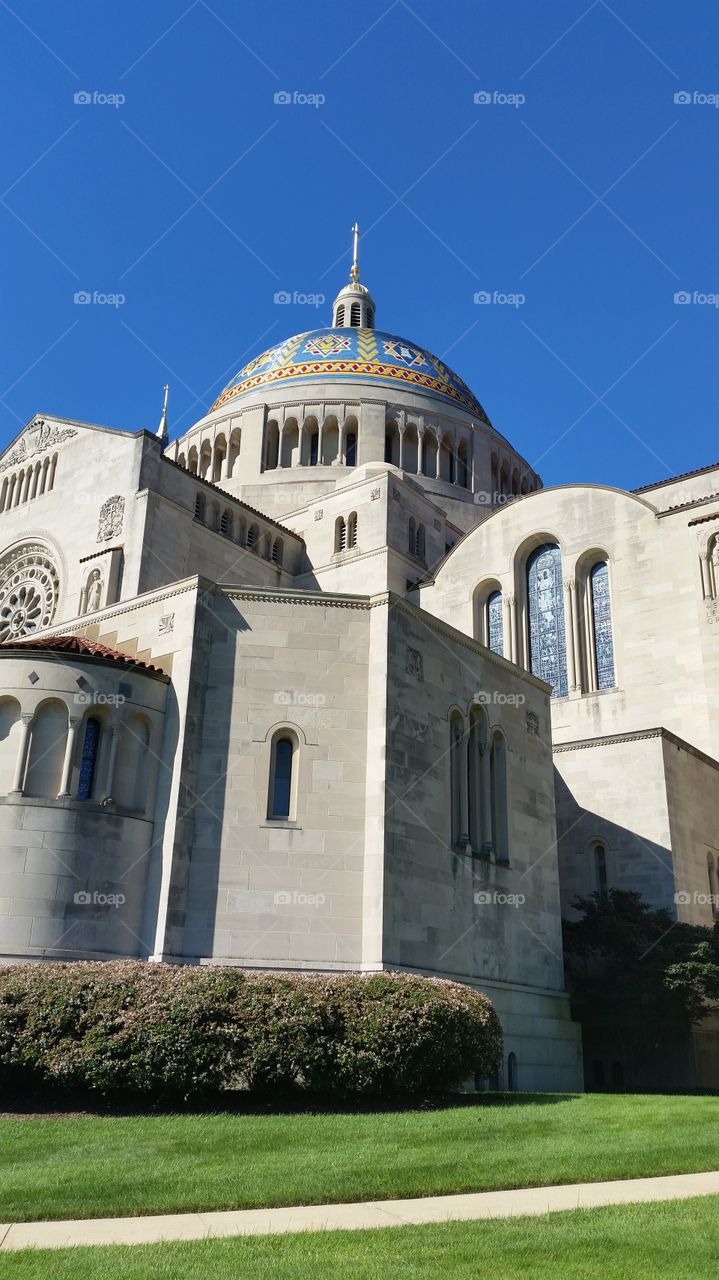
(165, 1031)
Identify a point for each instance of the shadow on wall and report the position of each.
(597, 854)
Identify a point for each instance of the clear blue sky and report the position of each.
(199, 197)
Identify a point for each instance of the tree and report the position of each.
(638, 978)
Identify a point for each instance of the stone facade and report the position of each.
(303, 722)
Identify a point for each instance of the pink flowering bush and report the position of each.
(166, 1031)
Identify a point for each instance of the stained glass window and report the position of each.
(88, 759)
(602, 618)
(547, 639)
(495, 626)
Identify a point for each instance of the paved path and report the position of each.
(336, 1217)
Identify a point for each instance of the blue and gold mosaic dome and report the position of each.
(358, 355)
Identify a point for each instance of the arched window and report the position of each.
(547, 639)
(272, 445)
(498, 793)
(462, 466)
(88, 759)
(340, 534)
(340, 316)
(47, 749)
(599, 856)
(205, 459)
(283, 770)
(129, 787)
(412, 536)
(182, 461)
(277, 551)
(351, 449)
(314, 448)
(253, 535)
(200, 506)
(355, 315)
(420, 542)
(494, 623)
(370, 318)
(226, 523)
(603, 643)
(10, 726)
(352, 530)
(457, 788)
(712, 865)
(234, 450)
(192, 461)
(512, 1072)
(476, 763)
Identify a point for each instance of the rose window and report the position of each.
(28, 592)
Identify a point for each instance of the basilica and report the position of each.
(332, 682)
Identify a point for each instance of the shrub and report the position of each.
(177, 1032)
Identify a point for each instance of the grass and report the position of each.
(678, 1238)
(90, 1166)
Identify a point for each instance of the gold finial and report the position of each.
(354, 273)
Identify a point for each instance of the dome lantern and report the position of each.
(353, 308)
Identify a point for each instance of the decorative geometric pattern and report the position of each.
(547, 639)
(602, 617)
(29, 591)
(495, 624)
(357, 354)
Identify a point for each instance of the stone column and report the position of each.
(400, 429)
(22, 755)
(438, 463)
(280, 439)
(115, 733)
(420, 450)
(320, 441)
(67, 762)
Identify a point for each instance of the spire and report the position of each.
(161, 432)
(354, 273)
(353, 307)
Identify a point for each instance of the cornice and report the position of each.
(637, 735)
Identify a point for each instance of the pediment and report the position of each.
(35, 439)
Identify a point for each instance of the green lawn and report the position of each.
(678, 1240)
(104, 1166)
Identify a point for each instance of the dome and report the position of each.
(356, 355)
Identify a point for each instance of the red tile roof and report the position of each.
(78, 645)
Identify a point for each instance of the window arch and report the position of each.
(547, 638)
(226, 523)
(351, 442)
(253, 535)
(47, 749)
(489, 616)
(499, 797)
(476, 763)
(200, 506)
(88, 757)
(602, 646)
(282, 790)
(412, 536)
(10, 726)
(277, 551)
(458, 775)
(599, 866)
(341, 316)
(352, 529)
(340, 534)
(420, 543)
